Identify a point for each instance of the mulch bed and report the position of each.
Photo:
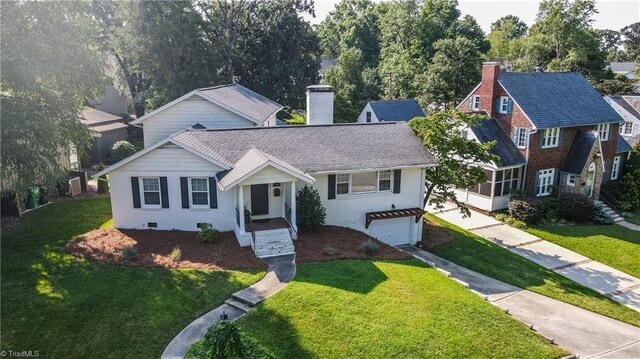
(434, 235)
(8, 222)
(153, 248)
(310, 246)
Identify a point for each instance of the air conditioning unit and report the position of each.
(74, 186)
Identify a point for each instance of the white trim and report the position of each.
(474, 103)
(501, 103)
(550, 137)
(143, 203)
(153, 147)
(548, 176)
(569, 177)
(615, 168)
(198, 206)
(603, 135)
(622, 128)
(306, 178)
(376, 191)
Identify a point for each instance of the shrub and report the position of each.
(503, 217)
(175, 254)
(526, 210)
(369, 247)
(576, 207)
(103, 185)
(551, 209)
(600, 215)
(129, 253)
(329, 250)
(121, 150)
(207, 233)
(629, 193)
(225, 341)
(311, 212)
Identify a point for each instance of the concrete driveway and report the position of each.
(608, 281)
(580, 331)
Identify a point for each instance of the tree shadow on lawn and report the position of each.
(358, 276)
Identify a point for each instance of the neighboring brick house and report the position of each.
(566, 134)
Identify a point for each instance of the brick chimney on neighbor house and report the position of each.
(489, 88)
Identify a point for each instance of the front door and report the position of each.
(591, 174)
(259, 199)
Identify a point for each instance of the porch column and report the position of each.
(241, 207)
(493, 183)
(293, 205)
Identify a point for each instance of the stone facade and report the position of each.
(581, 180)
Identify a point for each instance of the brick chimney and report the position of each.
(489, 89)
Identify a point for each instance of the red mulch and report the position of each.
(154, 247)
(434, 235)
(311, 245)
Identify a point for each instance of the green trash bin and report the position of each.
(33, 198)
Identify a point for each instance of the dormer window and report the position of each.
(476, 103)
(550, 137)
(603, 130)
(504, 104)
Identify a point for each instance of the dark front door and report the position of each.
(259, 199)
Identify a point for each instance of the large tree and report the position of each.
(50, 64)
(511, 26)
(631, 41)
(458, 157)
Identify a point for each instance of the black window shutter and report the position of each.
(332, 187)
(396, 180)
(164, 192)
(213, 193)
(184, 191)
(135, 192)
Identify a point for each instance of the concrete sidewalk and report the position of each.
(585, 333)
(617, 285)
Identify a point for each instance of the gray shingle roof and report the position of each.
(243, 100)
(623, 66)
(489, 130)
(622, 145)
(322, 148)
(622, 102)
(396, 110)
(579, 152)
(92, 116)
(558, 99)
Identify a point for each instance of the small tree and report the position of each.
(457, 157)
(103, 183)
(629, 193)
(311, 213)
(121, 150)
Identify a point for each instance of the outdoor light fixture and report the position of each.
(224, 316)
(393, 206)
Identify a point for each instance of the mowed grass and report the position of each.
(613, 245)
(386, 309)
(634, 218)
(482, 256)
(65, 307)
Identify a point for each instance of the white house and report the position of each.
(390, 111)
(370, 177)
(223, 106)
(630, 130)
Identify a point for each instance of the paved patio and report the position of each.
(608, 281)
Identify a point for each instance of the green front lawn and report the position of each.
(634, 218)
(65, 307)
(386, 309)
(482, 256)
(613, 245)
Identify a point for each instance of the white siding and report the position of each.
(482, 202)
(268, 175)
(171, 163)
(363, 115)
(186, 114)
(350, 211)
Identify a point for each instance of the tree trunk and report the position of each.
(428, 195)
(134, 83)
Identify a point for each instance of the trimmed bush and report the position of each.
(629, 192)
(600, 215)
(121, 150)
(207, 233)
(503, 217)
(329, 251)
(576, 207)
(176, 254)
(225, 341)
(311, 213)
(103, 184)
(369, 247)
(526, 210)
(129, 253)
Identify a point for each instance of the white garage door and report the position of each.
(392, 231)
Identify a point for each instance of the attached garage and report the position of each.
(394, 231)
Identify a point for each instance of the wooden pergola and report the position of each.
(394, 213)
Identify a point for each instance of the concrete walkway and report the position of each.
(580, 331)
(631, 226)
(617, 285)
(281, 271)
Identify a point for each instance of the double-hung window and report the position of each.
(615, 168)
(545, 181)
(199, 192)
(520, 137)
(571, 180)
(368, 116)
(627, 128)
(603, 130)
(476, 103)
(342, 183)
(384, 181)
(151, 192)
(364, 182)
(504, 104)
(550, 137)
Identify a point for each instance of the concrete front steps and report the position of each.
(273, 242)
(608, 210)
